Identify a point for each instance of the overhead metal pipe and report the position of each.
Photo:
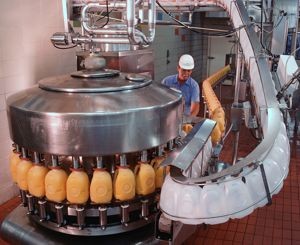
(130, 15)
(91, 30)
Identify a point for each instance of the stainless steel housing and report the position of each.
(94, 118)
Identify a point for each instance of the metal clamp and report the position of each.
(161, 235)
(145, 209)
(125, 214)
(103, 217)
(192, 144)
(264, 177)
(42, 210)
(30, 203)
(80, 213)
(59, 215)
(23, 198)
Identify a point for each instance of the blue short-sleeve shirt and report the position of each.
(189, 90)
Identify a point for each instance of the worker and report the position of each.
(186, 84)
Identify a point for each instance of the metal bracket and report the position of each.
(165, 236)
(263, 174)
(192, 144)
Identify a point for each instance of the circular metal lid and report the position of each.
(135, 77)
(95, 82)
(95, 74)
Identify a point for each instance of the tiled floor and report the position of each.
(5, 209)
(278, 223)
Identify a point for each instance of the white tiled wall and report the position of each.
(26, 56)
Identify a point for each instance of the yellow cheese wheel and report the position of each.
(22, 170)
(216, 135)
(219, 117)
(78, 186)
(187, 127)
(145, 179)
(14, 160)
(160, 171)
(55, 185)
(36, 180)
(124, 184)
(101, 187)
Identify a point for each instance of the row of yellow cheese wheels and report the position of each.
(216, 111)
(56, 185)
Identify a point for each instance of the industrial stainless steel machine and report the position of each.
(101, 152)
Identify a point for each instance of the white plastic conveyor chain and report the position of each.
(236, 197)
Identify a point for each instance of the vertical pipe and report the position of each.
(59, 214)
(42, 210)
(145, 209)
(36, 157)
(99, 162)
(75, 160)
(23, 198)
(152, 20)
(144, 157)
(123, 161)
(239, 71)
(30, 206)
(237, 75)
(235, 147)
(261, 22)
(160, 151)
(54, 160)
(125, 214)
(295, 33)
(65, 11)
(80, 217)
(103, 217)
(24, 152)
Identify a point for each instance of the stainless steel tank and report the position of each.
(95, 114)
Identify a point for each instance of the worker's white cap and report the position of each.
(186, 62)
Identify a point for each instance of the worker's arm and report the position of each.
(195, 108)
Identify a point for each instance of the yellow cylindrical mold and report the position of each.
(145, 179)
(160, 171)
(101, 189)
(78, 186)
(55, 184)
(124, 184)
(36, 180)
(14, 160)
(22, 169)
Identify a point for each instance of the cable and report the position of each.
(106, 15)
